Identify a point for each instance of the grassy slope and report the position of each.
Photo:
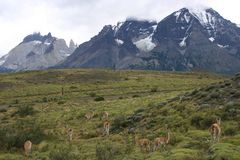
(125, 92)
(189, 116)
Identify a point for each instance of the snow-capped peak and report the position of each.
(204, 16)
(117, 27)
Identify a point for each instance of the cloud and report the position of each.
(80, 19)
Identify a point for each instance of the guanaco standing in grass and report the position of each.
(106, 127)
(144, 143)
(215, 130)
(27, 147)
(89, 115)
(70, 134)
(105, 115)
(161, 141)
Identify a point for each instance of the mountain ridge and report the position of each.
(36, 52)
(185, 40)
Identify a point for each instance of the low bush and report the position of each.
(3, 110)
(73, 87)
(63, 153)
(61, 102)
(99, 98)
(135, 96)
(92, 94)
(154, 89)
(25, 111)
(108, 151)
(196, 120)
(14, 136)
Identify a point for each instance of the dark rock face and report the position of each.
(112, 47)
(185, 40)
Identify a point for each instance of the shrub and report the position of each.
(207, 121)
(63, 153)
(61, 102)
(119, 122)
(16, 101)
(73, 87)
(196, 120)
(232, 110)
(108, 151)
(92, 94)
(154, 89)
(230, 131)
(99, 98)
(25, 111)
(15, 135)
(215, 95)
(44, 99)
(135, 96)
(3, 110)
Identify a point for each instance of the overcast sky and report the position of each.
(81, 19)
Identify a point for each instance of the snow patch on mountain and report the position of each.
(222, 46)
(119, 41)
(154, 27)
(47, 43)
(211, 39)
(37, 42)
(204, 17)
(145, 44)
(183, 42)
(187, 17)
(177, 14)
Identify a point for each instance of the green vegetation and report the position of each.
(41, 105)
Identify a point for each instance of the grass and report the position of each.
(144, 101)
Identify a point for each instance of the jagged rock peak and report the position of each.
(72, 45)
(36, 36)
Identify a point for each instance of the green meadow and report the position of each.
(41, 105)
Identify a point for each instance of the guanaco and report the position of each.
(215, 130)
(89, 115)
(70, 134)
(106, 127)
(27, 147)
(105, 115)
(161, 141)
(144, 143)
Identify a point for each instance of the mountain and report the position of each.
(115, 46)
(188, 39)
(37, 51)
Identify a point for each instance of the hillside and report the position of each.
(189, 117)
(41, 105)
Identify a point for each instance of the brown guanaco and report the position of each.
(144, 143)
(27, 147)
(161, 141)
(106, 127)
(70, 134)
(215, 130)
(105, 115)
(89, 115)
